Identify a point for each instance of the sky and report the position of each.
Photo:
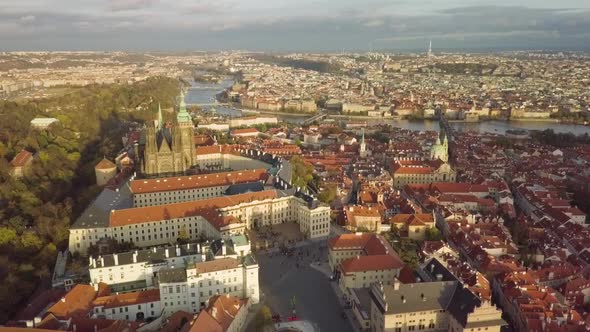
(293, 25)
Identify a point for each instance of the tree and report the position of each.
(31, 241)
(7, 236)
(327, 195)
(302, 172)
(433, 234)
(183, 236)
(264, 317)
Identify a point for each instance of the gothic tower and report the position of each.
(363, 146)
(185, 125)
(440, 150)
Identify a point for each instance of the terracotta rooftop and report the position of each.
(419, 219)
(21, 159)
(374, 262)
(125, 299)
(205, 208)
(224, 308)
(76, 303)
(105, 164)
(244, 131)
(197, 181)
(217, 265)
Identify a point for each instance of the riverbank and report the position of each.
(364, 117)
(250, 111)
(534, 120)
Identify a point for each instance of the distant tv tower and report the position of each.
(430, 49)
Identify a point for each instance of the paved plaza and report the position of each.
(287, 279)
(275, 236)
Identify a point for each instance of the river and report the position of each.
(204, 93)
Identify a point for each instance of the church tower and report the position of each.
(363, 146)
(169, 150)
(440, 150)
(186, 128)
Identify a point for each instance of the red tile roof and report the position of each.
(246, 131)
(205, 208)
(21, 159)
(105, 164)
(213, 149)
(197, 181)
(126, 299)
(76, 303)
(374, 262)
(224, 308)
(217, 265)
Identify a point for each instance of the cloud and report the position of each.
(127, 5)
(282, 24)
(28, 18)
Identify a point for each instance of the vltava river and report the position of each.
(204, 93)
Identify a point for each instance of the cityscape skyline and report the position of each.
(326, 25)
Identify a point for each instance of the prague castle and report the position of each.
(169, 149)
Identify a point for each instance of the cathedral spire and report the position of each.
(160, 117)
(363, 138)
(182, 115)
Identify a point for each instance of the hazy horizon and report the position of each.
(282, 25)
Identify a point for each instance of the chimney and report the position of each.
(101, 261)
(177, 251)
(37, 321)
(167, 253)
(439, 277)
(223, 248)
(116, 258)
(95, 285)
(423, 297)
(403, 299)
(198, 247)
(135, 257)
(396, 284)
(94, 262)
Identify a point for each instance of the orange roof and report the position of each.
(202, 140)
(205, 322)
(217, 265)
(21, 159)
(224, 308)
(105, 164)
(413, 170)
(374, 262)
(245, 131)
(197, 181)
(77, 302)
(174, 322)
(456, 187)
(120, 300)
(412, 219)
(205, 208)
(212, 149)
(349, 241)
